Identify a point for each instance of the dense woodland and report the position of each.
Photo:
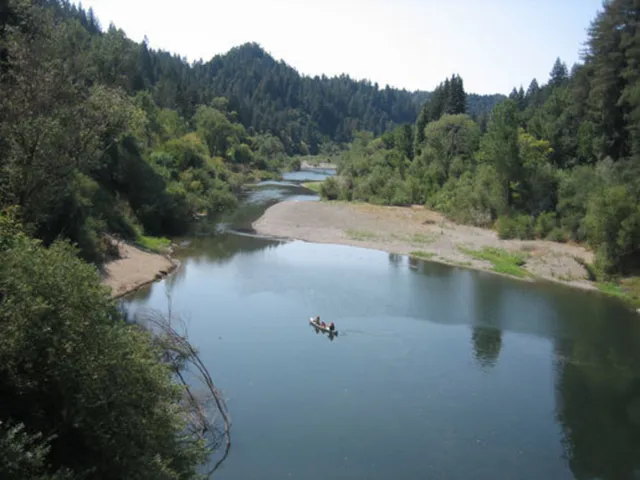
(99, 134)
(558, 161)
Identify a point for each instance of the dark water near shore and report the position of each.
(437, 372)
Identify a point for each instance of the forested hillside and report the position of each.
(559, 160)
(84, 150)
(268, 95)
(305, 111)
(99, 133)
(84, 394)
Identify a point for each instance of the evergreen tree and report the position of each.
(607, 83)
(559, 74)
(457, 103)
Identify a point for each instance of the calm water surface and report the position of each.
(437, 372)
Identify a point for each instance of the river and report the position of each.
(437, 371)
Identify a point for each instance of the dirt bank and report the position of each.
(404, 230)
(305, 165)
(134, 269)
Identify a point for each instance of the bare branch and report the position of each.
(208, 418)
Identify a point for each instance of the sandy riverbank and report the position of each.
(134, 269)
(404, 230)
(305, 165)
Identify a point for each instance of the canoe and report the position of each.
(324, 329)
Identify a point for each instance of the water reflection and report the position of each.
(396, 260)
(487, 331)
(598, 404)
(224, 248)
(487, 343)
(486, 377)
(596, 364)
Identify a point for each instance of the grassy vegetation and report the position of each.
(313, 186)
(503, 262)
(422, 255)
(155, 244)
(627, 290)
(361, 235)
(460, 264)
(422, 238)
(415, 239)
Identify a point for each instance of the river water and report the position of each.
(437, 371)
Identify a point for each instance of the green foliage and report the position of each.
(559, 161)
(545, 224)
(627, 290)
(155, 244)
(91, 391)
(515, 226)
(89, 145)
(313, 186)
(330, 189)
(293, 164)
(360, 235)
(557, 235)
(448, 98)
(422, 255)
(499, 148)
(508, 263)
(613, 227)
(25, 456)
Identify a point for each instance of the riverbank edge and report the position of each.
(588, 286)
(333, 234)
(135, 257)
(306, 165)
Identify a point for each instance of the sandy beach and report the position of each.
(404, 230)
(134, 269)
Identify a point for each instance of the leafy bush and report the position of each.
(557, 235)
(294, 164)
(545, 223)
(330, 189)
(23, 455)
(71, 370)
(515, 226)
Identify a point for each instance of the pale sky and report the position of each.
(414, 44)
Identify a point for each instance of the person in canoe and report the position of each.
(332, 327)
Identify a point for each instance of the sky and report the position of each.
(493, 45)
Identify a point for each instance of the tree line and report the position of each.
(83, 153)
(268, 95)
(100, 133)
(557, 161)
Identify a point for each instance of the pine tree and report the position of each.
(521, 98)
(559, 74)
(630, 41)
(607, 82)
(457, 103)
(532, 92)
